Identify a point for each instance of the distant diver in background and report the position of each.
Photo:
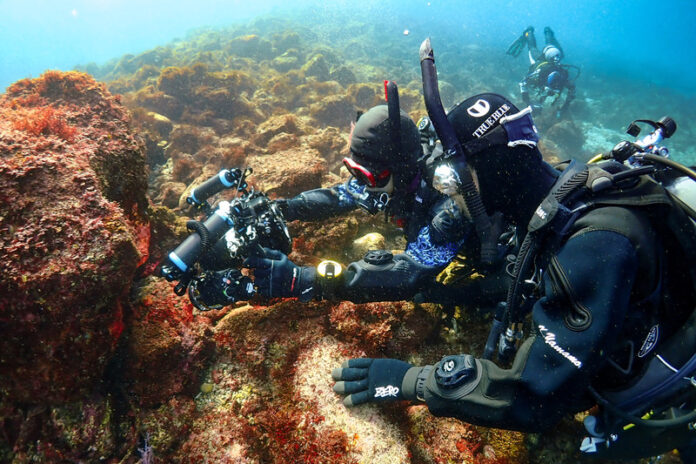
(547, 78)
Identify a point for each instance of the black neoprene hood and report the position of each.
(371, 143)
(512, 180)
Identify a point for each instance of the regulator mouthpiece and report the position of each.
(445, 179)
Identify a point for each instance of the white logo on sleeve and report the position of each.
(550, 339)
(478, 109)
(389, 390)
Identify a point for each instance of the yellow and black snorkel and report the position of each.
(454, 164)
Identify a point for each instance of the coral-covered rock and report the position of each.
(287, 61)
(333, 238)
(436, 440)
(371, 436)
(343, 75)
(332, 144)
(72, 233)
(73, 432)
(371, 241)
(364, 96)
(271, 393)
(156, 100)
(287, 173)
(282, 142)
(250, 46)
(189, 139)
(166, 426)
(170, 194)
(335, 110)
(381, 326)
(567, 136)
(283, 41)
(317, 67)
(167, 347)
(275, 125)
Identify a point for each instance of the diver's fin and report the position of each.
(518, 45)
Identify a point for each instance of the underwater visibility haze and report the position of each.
(112, 112)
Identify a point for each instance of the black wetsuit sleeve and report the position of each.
(399, 280)
(552, 370)
(316, 205)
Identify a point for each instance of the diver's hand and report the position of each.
(366, 380)
(276, 276)
(537, 108)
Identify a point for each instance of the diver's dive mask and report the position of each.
(372, 178)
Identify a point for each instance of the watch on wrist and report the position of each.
(329, 275)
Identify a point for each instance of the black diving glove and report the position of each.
(367, 380)
(276, 276)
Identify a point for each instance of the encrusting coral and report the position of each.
(100, 359)
(73, 233)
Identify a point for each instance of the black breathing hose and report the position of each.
(668, 162)
(455, 152)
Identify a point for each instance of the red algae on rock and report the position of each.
(167, 347)
(71, 237)
(44, 121)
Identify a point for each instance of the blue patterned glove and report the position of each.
(366, 380)
(276, 276)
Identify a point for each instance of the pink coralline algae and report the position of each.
(72, 233)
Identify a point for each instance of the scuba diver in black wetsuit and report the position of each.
(606, 273)
(389, 173)
(547, 78)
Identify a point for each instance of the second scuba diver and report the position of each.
(547, 78)
(390, 173)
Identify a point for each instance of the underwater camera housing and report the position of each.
(231, 232)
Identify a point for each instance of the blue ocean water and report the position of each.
(646, 40)
(642, 46)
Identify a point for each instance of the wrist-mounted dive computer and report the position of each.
(329, 276)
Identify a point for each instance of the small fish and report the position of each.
(406, 32)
